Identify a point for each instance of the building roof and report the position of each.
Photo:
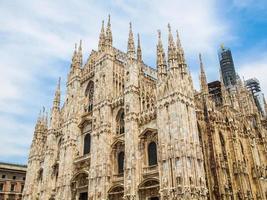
(13, 166)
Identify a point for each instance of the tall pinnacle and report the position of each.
(139, 50)
(80, 54)
(56, 103)
(203, 78)
(180, 51)
(171, 46)
(131, 48)
(74, 56)
(108, 38)
(101, 43)
(161, 61)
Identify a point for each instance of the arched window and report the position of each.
(87, 144)
(120, 122)
(152, 154)
(120, 162)
(89, 93)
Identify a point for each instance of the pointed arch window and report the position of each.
(121, 162)
(120, 122)
(87, 144)
(89, 93)
(152, 154)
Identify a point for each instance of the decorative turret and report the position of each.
(131, 47)
(203, 78)
(171, 49)
(139, 50)
(161, 60)
(77, 57)
(108, 38)
(101, 43)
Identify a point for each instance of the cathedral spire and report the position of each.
(56, 102)
(80, 54)
(171, 46)
(55, 111)
(180, 50)
(203, 78)
(108, 39)
(161, 61)
(74, 53)
(139, 50)
(101, 43)
(131, 48)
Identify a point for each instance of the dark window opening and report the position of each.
(83, 196)
(3, 176)
(121, 162)
(12, 189)
(14, 177)
(87, 144)
(152, 154)
(1, 187)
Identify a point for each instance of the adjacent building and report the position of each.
(227, 66)
(12, 179)
(127, 131)
(215, 92)
(253, 86)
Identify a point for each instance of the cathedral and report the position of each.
(128, 131)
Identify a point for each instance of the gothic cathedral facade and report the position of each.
(129, 131)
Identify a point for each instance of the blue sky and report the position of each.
(37, 40)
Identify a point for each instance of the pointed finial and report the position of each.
(75, 47)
